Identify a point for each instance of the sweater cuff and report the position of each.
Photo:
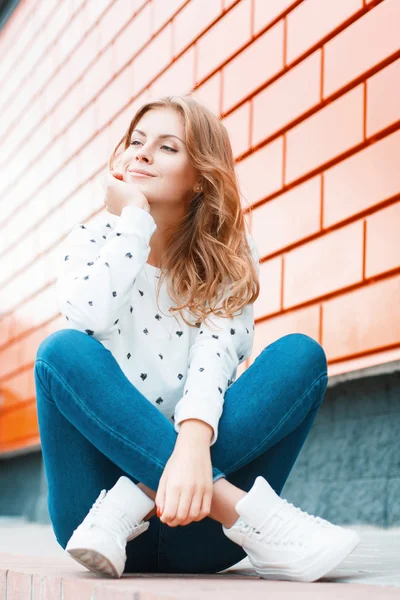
(134, 218)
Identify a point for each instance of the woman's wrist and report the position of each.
(195, 429)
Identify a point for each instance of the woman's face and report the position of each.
(173, 177)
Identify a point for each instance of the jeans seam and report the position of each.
(129, 444)
(246, 459)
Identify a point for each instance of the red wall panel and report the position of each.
(310, 96)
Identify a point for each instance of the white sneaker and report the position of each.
(116, 517)
(283, 542)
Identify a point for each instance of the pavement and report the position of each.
(33, 566)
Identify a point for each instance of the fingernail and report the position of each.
(159, 511)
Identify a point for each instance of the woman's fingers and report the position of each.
(182, 510)
(194, 512)
(171, 506)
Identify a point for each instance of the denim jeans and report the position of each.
(96, 426)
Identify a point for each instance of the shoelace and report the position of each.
(298, 511)
(291, 515)
(119, 522)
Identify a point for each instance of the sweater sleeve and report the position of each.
(98, 269)
(213, 361)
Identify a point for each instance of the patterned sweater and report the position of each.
(106, 289)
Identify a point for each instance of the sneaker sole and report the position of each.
(96, 551)
(326, 563)
(94, 561)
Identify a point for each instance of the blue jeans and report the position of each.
(96, 426)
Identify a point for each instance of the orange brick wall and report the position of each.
(310, 94)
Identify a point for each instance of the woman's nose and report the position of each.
(142, 155)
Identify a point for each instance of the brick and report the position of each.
(383, 99)
(55, 26)
(63, 182)
(383, 241)
(18, 584)
(30, 57)
(6, 332)
(76, 207)
(287, 98)
(224, 38)
(273, 230)
(3, 582)
(351, 53)
(10, 360)
(115, 95)
(137, 4)
(305, 320)
(55, 90)
(67, 110)
(93, 156)
(209, 93)
(134, 36)
(46, 587)
(313, 20)
(154, 58)
(319, 139)
(54, 222)
(116, 17)
(269, 300)
(347, 330)
(260, 174)
(15, 100)
(241, 78)
(266, 12)
(163, 11)
(70, 38)
(18, 41)
(27, 124)
(192, 20)
(18, 390)
(81, 129)
(179, 77)
(353, 185)
(43, 73)
(227, 4)
(238, 126)
(84, 55)
(99, 74)
(80, 587)
(324, 265)
(93, 11)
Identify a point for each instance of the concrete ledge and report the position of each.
(42, 578)
(381, 369)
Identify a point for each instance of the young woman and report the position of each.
(138, 396)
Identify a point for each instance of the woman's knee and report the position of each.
(56, 343)
(307, 352)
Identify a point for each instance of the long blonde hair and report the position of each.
(208, 259)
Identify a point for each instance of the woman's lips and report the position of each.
(139, 174)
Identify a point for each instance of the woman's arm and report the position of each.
(196, 430)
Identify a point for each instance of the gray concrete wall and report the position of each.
(22, 486)
(349, 468)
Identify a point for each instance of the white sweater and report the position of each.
(106, 288)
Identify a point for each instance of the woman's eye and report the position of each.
(133, 143)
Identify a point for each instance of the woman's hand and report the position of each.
(118, 194)
(186, 486)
